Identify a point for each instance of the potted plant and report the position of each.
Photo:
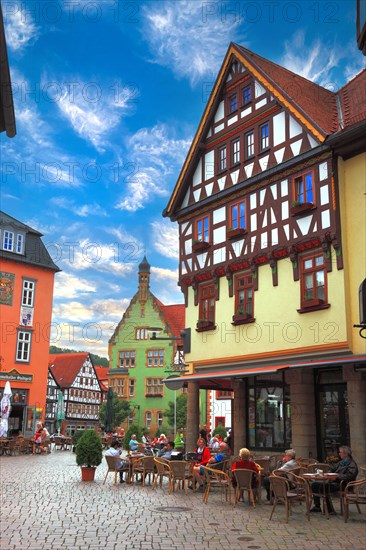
(89, 454)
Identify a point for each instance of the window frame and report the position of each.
(235, 154)
(141, 331)
(131, 386)
(159, 418)
(23, 347)
(318, 297)
(222, 160)
(232, 99)
(243, 305)
(154, 386)
(296, 191)
(249, 146)
(238, 205)
(207, 312)
(204, 232)
(125, 351)
(148, 422)
(266, 138)
(160, 356)
(28, 292)
(8, 237)
(244, 102)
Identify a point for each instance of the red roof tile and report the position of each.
(175, 316)
(101, 372)
(66, 366)
(316, 102)
(352, 98)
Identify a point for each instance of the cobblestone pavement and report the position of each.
(44, 505)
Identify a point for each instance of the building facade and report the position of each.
(74, 374)
(26, 292)
(268, 266)
(138, 364)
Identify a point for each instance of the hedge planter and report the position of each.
(87, 474)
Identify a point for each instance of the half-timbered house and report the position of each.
(262, 266)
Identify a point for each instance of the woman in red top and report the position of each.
(203, 453)
(245, 464)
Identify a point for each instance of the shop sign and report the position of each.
(17, 376)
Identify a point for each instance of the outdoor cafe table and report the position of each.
(324, 480)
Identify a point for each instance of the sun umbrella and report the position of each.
(109, 414)
(5, 410)
(60, 410)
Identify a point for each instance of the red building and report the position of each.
(26, 293)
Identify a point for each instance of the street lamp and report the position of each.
(185, 337)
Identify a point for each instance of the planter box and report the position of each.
(298, 209)
(313, 302)
(241, 318)
(205, 325)
(234, 233)
(200, 245)
(87, 474)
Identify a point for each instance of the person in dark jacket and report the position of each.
(346, 470)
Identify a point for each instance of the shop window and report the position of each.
(313, 281)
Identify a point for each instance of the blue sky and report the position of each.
(108, 95)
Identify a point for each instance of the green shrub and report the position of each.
(76, 436)
(89, 449)
(220, 430)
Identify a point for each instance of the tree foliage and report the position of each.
(220, 430)
(121, 410)
(133, 429)
(97, 359)
(89, 449)
(181, 412)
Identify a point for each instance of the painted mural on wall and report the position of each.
(6, 288)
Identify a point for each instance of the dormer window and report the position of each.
(8, 241)
(13, 242)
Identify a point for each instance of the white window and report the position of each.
(155, 358)
(24, 345)
(131, 389)
(154, 386)
(236, 152)
(8, 241)
(148, 420)
(222, 158)
(28, 293)
(142, 334)
(20, 243)
(160, 419)
(127, 358)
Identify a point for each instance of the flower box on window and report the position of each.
(197, 246)
(299, 207)
(241, 318)
(153, 395)
(237, 232)
(205, 324)
(311, 302)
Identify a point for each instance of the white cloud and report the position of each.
(94, 110)
(67, 286)
(165, 237)
(155, 155)
(20, 29)
(186, 37)
(82, 210)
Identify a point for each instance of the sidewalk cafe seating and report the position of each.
(144, 466)
(354, 493)
(244, 482)
(163, 470)
(112, 462)
(181, 474)
(59, 442)
(216, 478)
(318, 466)
(282, 494)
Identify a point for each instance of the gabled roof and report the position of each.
(101, 373)
(175, 317)
(35, 252)
(312, 105)
(66, 366)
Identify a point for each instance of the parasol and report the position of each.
(5, 410)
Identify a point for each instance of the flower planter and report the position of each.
(299, 208)
(205, 325)
(199, 246)
(234, 233)
(313, 302)
(87, 473)
(241, 318)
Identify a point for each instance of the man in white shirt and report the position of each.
(114, 451)
(287, 463)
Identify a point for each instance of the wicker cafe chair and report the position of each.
(281, 491)
(180, 474)
(145, 466)
(302, 488)
(244, 482)
(112, 462)
(355, 493)
(163, 470)
(59, 442)
(265, 464)
(216, 478)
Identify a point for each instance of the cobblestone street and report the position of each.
(44, 505)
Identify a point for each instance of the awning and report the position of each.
(222, 379)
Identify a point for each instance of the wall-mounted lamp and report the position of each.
(362, 307)
(185, 337)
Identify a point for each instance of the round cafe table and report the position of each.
(324, 480)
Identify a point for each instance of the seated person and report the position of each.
(211, 462)
(162, 440)
(245, 464)
(133, 444)
(287, 463)
(347, 471)
(114, 451)
(166, 452)
(39, 438)
(215, 445)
